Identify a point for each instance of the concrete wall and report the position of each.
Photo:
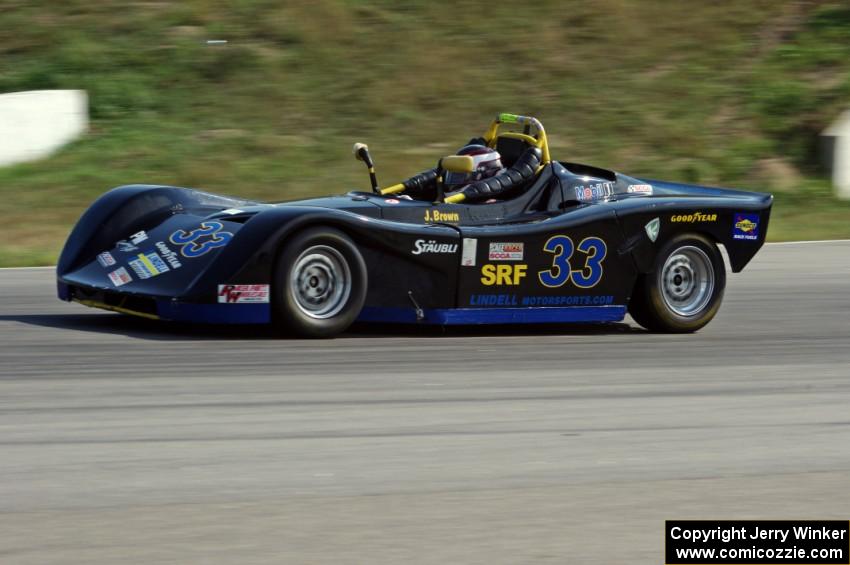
(837, 139)
(35, 124)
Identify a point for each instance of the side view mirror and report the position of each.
(457, 164)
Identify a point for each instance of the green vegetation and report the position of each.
(732, 94)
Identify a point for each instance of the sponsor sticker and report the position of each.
(106, 259)
(125, 246)
(539, 301)
(120, 276)
(745, 226)
(138, 237)
(640, 188)
(391, 201)
(243, 293)
(498, 275)
(421, 246)
(594, 191)
(232, 211)
(148, 265)
(169, 254)
(505, 251)
(652, 228)
(470, 246)
(693, 218)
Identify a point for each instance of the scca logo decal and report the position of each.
(562, 271)
(499, 275)
(189, 240)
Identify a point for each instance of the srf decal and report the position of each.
(499, 275)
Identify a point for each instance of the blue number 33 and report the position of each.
(562, 270)
(191, 247)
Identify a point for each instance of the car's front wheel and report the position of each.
(684, 290)
(319, 284)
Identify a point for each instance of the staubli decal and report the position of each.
(421, 246)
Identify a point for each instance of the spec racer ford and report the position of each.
(534, 240)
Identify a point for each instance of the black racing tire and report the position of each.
(684, 290)
(319, 284)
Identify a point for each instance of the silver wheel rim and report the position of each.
(320, 282)
(687, 281)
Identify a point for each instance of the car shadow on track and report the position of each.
(109, 323)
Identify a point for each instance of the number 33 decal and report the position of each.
(561, 272)
(189, 240)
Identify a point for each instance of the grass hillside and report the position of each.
(731, 93)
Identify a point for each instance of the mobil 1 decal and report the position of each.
(551, 270)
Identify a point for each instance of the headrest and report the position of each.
(510, 149)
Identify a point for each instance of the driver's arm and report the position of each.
(424, 185)
(419, 187)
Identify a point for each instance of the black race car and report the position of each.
(541, 241)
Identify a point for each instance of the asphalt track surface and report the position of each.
(129, 441)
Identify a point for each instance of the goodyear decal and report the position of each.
(693, 218)
(170, 256)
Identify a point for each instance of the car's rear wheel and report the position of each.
(319, 284)
(684, 290)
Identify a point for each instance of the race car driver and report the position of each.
(487, 163)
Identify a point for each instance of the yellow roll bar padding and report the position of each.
(394, 189)
(539, 139)
(455, 198)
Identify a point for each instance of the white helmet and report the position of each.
(487, 163)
